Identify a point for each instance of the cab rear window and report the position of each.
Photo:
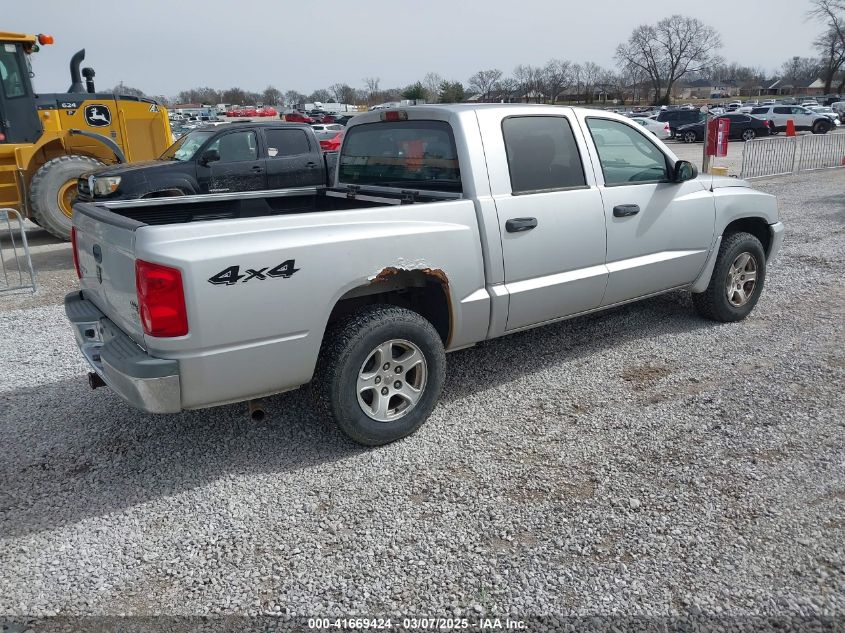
(414, 154)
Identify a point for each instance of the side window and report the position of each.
(542, 154)
(782, 110)
(236, 147)
(626, 155)
(10, 72)
(286, 143)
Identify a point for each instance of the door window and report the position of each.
(542, 154)
(11, 75)
(286, 143)
(782, 110)
(236, 147)
(626, 155)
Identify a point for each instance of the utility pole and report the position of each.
(705, 159)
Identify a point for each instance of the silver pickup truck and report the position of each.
(448, 225)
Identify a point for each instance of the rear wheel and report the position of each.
(381, 372)
(748, 134)
(53, 192)
(690, 137)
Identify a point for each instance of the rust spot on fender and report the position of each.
(389, 273)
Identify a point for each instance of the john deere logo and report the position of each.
(97, 115)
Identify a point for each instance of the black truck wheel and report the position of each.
(52, 192)
(737, 280)
(380, 373)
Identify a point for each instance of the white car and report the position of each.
(803, 118)
(660, 130)
(809, 102)
(826, 111)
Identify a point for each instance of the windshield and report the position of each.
(415, 154)
(187, 146)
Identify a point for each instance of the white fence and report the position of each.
(792, 154)
(9, 253)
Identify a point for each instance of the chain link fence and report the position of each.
(14, 256)
(782, 156)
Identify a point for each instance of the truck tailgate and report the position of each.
(105, 247)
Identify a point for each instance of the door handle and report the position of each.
(311, 165)
(257, 169)
(624, 210)
(517, 225)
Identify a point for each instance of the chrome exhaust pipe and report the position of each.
(256, 410)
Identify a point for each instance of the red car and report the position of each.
(268, 111)
(297, 117)
(249, 111)
(332, 144)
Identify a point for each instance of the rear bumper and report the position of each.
(147, 383)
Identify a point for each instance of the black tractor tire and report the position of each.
(714, 303)
(821, 127)
(348, 345)
(45, 188)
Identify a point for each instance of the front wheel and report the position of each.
(748, 134)
(53, 191)
(737, 280)
(689, 137)
(820, 127)
(381, 373)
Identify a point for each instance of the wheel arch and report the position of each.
(425, 291)
(757, 226)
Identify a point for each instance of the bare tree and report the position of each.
(292, 97)
(591, 75)
(555, 78)
(321, 95)
(509, 88)
(669, 50)
(431, 82)
(529, 79)
(271, 96)
(342, 93)
(831, 44)
(484, 81)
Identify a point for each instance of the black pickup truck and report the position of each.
(223, 159)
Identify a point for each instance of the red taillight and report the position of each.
(75, 252)
(332, 144)
(161, 300)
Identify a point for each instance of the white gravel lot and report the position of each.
(642, 462)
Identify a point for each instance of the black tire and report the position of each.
(690, 137)
(713, 303)
(46, 185)
(347, 346)
(748, 134)
(821, 127)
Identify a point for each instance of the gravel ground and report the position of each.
(642, 462)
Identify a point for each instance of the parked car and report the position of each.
(839, 108)
(343, 119)
(803, 118)
(332, 144)
(676, 118)
(268, 111)
(742, 126)
(660, 130)
(768, 102)
(349, 288)
(217, 160)
(809, 102)
(297, 117)
(830, 113)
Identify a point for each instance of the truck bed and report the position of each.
(237, 205)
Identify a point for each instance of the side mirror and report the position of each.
(210, 156)
(684, 170)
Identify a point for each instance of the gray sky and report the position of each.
(164, 46)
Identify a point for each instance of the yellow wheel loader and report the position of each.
(48, 140)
